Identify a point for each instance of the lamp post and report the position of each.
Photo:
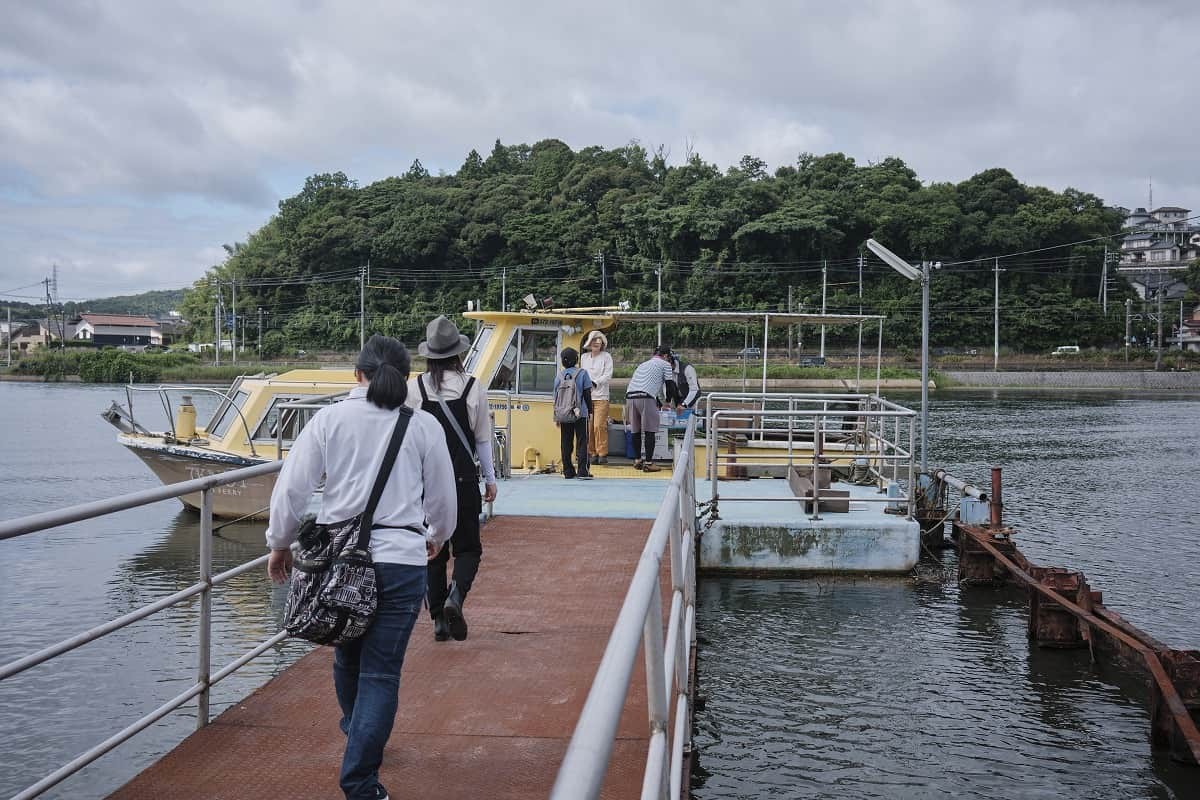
(913, 274)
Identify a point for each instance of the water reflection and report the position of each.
(58, 583)
(883, 689)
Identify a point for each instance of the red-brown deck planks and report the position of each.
(488, 717)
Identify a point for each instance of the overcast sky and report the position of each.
(138, 137)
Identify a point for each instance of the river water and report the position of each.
(898, 689)
(56, 451)
(869, 688)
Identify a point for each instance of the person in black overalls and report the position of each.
(464, 417)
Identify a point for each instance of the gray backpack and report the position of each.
(566, 398)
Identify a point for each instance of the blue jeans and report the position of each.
(366, 676)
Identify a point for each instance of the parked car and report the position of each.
(810, 361)
(1066, 350)
(749, 352)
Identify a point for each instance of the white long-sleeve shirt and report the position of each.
(599, 369)
(453, 384)
(346, 443)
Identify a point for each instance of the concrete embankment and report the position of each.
(1104, 379)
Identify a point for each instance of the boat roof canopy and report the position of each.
(770, 317)
(605, 317)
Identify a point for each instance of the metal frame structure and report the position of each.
(206, 678)
(806, 421)
(668, 658)
(1065, 612)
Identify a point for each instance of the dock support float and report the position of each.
(1065, 612)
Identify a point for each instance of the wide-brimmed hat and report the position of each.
(443, 340)
(595, 335)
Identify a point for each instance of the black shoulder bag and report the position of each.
(332, 597)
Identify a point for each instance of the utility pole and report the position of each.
(996, 322)
(824, 285)
(260, 333)
(603, 277)
(1128, 308)
(217, 323)
(1158, 353)
(8, 338)
(362, 305)
(790, 326)
(1104, 283)
(1179, 337)
(658, 272)
(504, 288)
(858, 360)
(233, 337)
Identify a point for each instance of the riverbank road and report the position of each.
(489, 717)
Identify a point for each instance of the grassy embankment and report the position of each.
(115, 366)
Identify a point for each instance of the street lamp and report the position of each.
(914, 274)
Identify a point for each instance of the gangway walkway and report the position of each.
(488, 717)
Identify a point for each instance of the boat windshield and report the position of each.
(481, 340)
(226, 414)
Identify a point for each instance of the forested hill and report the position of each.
(555, 221)
(153, 304)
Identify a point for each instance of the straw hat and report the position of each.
(443, 340)
(595, 335)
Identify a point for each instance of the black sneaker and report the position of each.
(441, 631)
(586, 477)
(569, 477)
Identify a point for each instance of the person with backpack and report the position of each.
(572, 407)
(652, 377)
(687, 382)
(459, 403)
(347, 444)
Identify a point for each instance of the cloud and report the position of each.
(119, 115)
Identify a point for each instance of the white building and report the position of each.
(117, 330)
(1159, 248)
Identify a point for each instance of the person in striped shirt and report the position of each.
(651, 378)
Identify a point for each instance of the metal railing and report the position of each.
(205, 677)
(668, 667)
(164, 391)
(809, 430)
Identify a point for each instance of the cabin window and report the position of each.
(539, 362)
(227, 415)
(481, 340)
(268, 428)
(505, 379)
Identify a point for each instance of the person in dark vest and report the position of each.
(459, 403)
(687, 382)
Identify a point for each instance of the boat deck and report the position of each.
(488, 717)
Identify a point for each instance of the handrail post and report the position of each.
(656, 679)
(912, 486)
(204, 654)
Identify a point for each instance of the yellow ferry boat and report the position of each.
(514, 354)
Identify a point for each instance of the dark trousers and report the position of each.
(573, 436)
(466, 547)
(637, 445)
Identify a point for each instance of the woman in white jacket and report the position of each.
(599, 366)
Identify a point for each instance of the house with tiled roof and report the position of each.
(1158, 249)
(117, 330)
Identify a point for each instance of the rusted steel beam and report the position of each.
(1173, 720)
(997, 507)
